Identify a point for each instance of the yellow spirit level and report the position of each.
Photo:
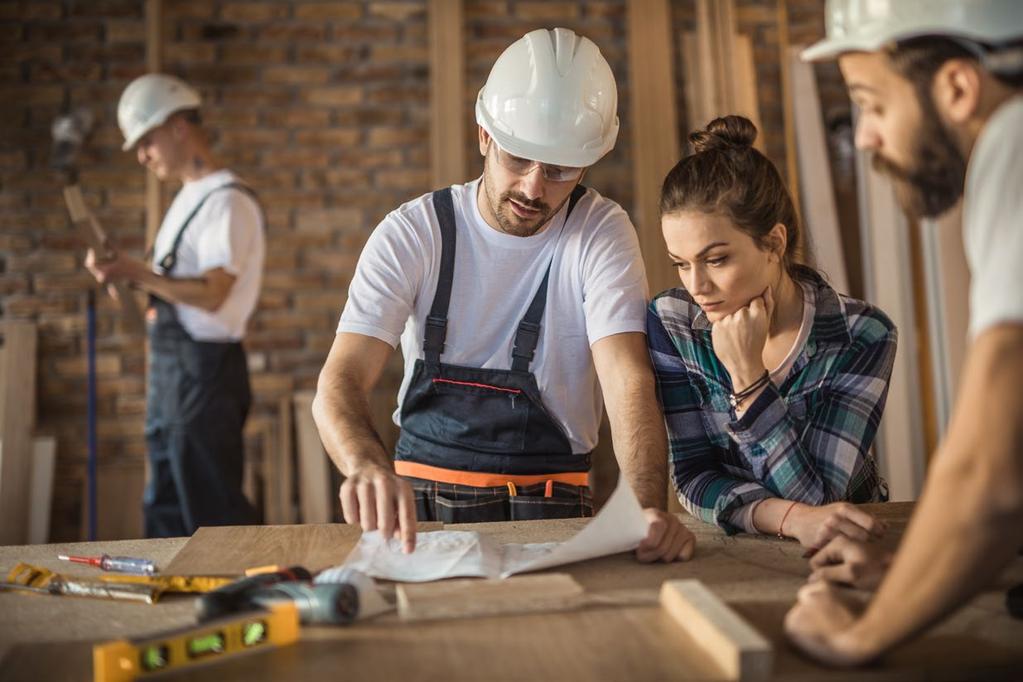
(122, 660)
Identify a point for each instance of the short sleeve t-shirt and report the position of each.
(227, 233)
(597, 288)
(993, 220)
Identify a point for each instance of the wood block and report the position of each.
(316, 498)
(472, 598)
(44, 460)
(17, 421)
(229, 550)
(740, 651)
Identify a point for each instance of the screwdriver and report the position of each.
(122, 564)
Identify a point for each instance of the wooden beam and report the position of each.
(447, 90)
(154, 62)
(654, 126)
(741, 652)
(822, 233)
(17, 421)
(791, 169)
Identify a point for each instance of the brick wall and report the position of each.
(322, 106)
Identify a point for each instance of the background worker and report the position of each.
(939, 87)
(203, 285)
(519, 301)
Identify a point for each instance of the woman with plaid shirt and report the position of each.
(772, 384)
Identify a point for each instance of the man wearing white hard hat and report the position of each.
(519, 302)
(939, 87)
(203, 286)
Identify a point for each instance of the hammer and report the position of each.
(70, 132)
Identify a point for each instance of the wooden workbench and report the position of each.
(757, 576)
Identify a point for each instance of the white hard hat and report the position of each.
(868, 25)
(148, 101)
(551, 97)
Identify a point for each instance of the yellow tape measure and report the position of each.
(123, 660)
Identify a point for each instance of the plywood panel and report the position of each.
(316, 498)
(17, 421)
(820, 213)
(119, 489)
(232, 549)
(44, 459)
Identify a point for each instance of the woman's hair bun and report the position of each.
(728, 132)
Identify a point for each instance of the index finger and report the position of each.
(831, 553)
(407, 517)
(864, 520)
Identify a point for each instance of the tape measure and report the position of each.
(123, 660)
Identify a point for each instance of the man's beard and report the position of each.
(935, 182)
(507, 221)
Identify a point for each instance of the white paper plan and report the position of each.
(619, 527)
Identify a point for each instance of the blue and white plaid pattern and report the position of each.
(807, 440)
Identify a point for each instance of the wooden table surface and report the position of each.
(757, 576)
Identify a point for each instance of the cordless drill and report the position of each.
(334, 604)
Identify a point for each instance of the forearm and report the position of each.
(341, 413)
(641, 442)
(950, 552)
(198, 291)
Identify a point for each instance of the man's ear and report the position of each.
(956, 90)
(484, 140)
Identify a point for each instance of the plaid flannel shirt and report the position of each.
(807, 440)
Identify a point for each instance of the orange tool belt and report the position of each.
(478, 479)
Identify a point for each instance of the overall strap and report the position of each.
(437, 321)
(527, 336)
(168, 262)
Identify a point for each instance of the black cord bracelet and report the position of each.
(735, 399)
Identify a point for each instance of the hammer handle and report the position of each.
(94, 235)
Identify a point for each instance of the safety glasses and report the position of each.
(521, 166)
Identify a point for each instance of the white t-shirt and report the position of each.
(597, 288)
(227, 233)
(993, 220)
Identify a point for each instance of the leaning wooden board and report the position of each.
(757, 577)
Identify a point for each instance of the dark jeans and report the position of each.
(452, 503)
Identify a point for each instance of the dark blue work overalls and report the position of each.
(197, 401)
(463, 426)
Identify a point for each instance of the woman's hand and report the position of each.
(814, 527)
(739, 339)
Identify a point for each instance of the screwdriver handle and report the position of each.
(127, 564)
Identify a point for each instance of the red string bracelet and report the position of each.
(785, 516)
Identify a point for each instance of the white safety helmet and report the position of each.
(551, 97)
(148, 101)
(868, 25)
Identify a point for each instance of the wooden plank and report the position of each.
(44, 460)
(746, 102)
(315, 496)
(475, 598)
(119, 488)
(654, 126)
(791, 166)
(17, 421)
(820, 212)
(232, 549)
(447, 92)
(154, 53)
(280, 479)
(741, 651)
(888, 283)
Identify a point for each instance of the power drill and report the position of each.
(333, 604)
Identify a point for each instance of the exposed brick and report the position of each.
(255, 11)
(340, 95)
(398, 11)
(298, 75)
(543, 11)
(253, 54)
(335, 11)
(327, 137)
